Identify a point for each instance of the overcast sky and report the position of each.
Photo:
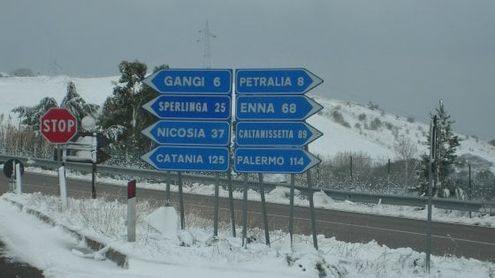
(401, 54)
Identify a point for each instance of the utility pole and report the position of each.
(205, 39)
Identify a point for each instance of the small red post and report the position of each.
(131, 211)
(131, 189)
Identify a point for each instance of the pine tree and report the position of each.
(447, 144)
(122, 116)
(77, 105)
(30, 115)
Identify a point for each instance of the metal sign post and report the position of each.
(215, 217)
(431, 174)
(263, 209)
(93, 164)
(312, 207)
(231, 201)
(291, 208)
(181, 202)
(244, 211)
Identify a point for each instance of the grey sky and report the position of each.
(401, 54)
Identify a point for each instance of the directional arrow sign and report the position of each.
(295, 134)
(188, 159)
(275, 81)
(191, 81)
(275, 107)
(190, 107)
(189, 133)
(259, 160)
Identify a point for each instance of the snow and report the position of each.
(165, 220)
(28, 91)
(378, 144)
(57, 253)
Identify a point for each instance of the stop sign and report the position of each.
(58, 125)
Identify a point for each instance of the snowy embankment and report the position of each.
(194, 253)
(280, 195)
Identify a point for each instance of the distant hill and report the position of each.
(346, 126)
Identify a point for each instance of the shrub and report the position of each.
(375, 124)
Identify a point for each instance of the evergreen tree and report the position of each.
(446, 148)
(122, 117)
(77, 105)
(30, 115)
(492, 142)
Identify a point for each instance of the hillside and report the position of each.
(346, 126)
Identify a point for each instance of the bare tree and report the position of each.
(406, 150)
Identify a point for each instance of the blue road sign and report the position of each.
(276, 134)
(191, 81)
(188, 159)
(275, 81)
(275, 107)
(259, 160)
(189, 133)
(190, 107)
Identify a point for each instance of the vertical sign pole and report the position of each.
(59, 160)
(131, 211)
(431, 173)
(18, 181)
(181, 202)
(93, 168)
(291, 208)
(311, 206)
(215, 218)
(231, 201)
(263, 208)
(470, 187)
(167, 190)
(244, 211)
(93, 180)
(12, 177)
(388, 176)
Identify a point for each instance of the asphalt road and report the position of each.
(12, 269)
(448, 239)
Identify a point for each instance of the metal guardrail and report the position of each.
(359, 197)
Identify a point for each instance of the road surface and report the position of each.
(394, 232)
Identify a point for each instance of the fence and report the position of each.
(360, 197)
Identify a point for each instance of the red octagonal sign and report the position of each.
(58, 125)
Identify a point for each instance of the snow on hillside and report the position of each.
(28, 91)
(361, 129)
(346, 126)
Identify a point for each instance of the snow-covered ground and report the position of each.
(280, 195)
(194, 253)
